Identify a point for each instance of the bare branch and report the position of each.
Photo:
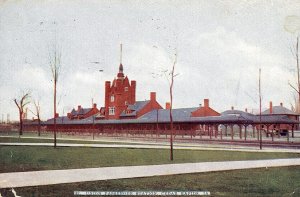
(37, 109)
(293, 87)
(21, 104)
(176, 75)
(55, 65)
(253, 99)
(32, 112)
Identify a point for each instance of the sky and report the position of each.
(220, 46)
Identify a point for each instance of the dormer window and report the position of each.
(126, 89)
(112, 98)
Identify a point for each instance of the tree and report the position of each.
(172, 75)
(295, 53)
(37, 114)
(21, 106)
(55, 65)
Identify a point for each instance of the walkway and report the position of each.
(159, 146)
(33, 178)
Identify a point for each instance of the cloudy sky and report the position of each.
(220, 47)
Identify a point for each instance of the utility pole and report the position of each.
(171, 106)
(93, 127)
(156, 124)
(7, 119)
(260, 132)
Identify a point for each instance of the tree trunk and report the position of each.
(21, 124)
(298, 75)
(39, 127)
(54, 113)
(171, 129)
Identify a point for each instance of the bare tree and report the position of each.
(295, 53)
(55, 65)
(21, 106)
(170, 79)
(36, 112)
(294, 102)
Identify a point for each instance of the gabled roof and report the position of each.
(73, 112)
(163, 115)
(204, 111)
(237, 113)
(82, 111)
(279, 110)
(256, 119)
(137, 106)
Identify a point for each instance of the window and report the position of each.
(112, 98)
(126, 89)
(111, 111)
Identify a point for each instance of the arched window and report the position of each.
(112, 98)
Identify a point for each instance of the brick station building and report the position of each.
(123, 115)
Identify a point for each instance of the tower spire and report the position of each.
(120, 74)
(120, 53)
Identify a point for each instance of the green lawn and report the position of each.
(25, 158)
(271, 182)
(73, 141)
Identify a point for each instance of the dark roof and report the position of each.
(184, 115)
(82, 111)
(73, 112)
(66, 120)
(237, 113)
(256, 119)
(137, 106)
(279, 110)
(181, 114)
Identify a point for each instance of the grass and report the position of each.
(41, 140)
(281, 181)
(26, 158)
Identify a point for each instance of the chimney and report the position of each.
(94, 105)
(281, 104)
(153, 96)
(232, 108)
(132, 89)
(206, 103)
(246, 110)
(79, 108)
(168, 105)
(271, 107)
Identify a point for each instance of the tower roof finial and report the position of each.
(121, 53)
(120, 74)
